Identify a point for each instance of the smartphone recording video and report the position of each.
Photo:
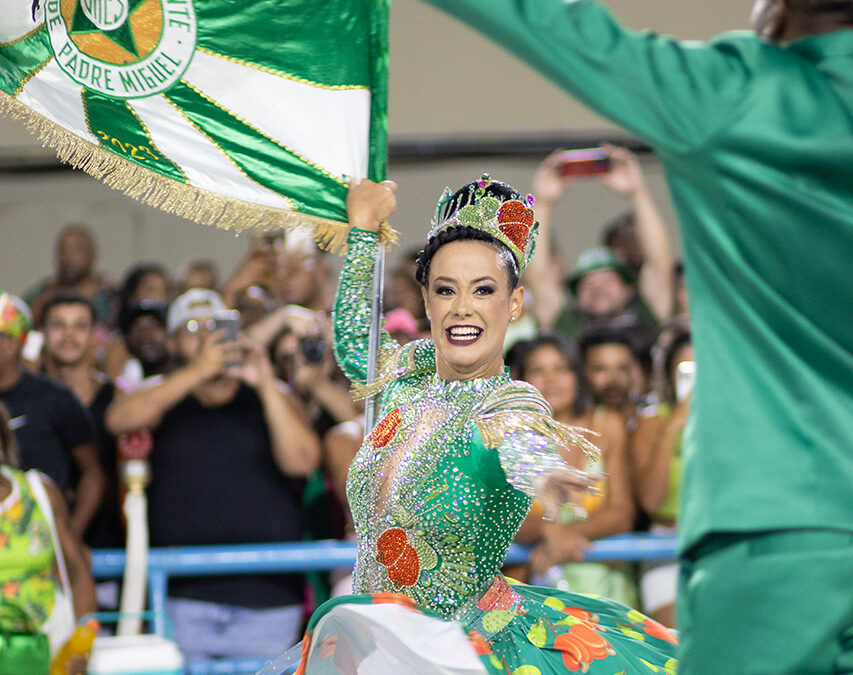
(228, 321)
(584, 162)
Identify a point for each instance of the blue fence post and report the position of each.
(158, 586)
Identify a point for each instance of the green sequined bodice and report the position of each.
(443, 481)
(433, 512)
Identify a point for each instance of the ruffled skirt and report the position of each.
(514, 629)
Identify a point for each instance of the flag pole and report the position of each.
(374, 334)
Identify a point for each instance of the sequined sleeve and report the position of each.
(516, 422)
(352, 309)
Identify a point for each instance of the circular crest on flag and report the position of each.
(122, 48)
(107, 15)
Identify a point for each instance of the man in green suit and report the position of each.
(755, 132)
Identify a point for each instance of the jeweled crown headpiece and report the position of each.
(510, 221)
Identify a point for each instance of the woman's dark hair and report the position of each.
(622, 222)
(132, 280)
(134, 277)
(462, 197)
(664, 351)
(522, 351)
(681, 338)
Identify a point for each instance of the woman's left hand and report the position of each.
(567, 485)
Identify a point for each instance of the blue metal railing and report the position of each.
(190, 561)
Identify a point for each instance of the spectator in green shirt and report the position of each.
(755, 133)
(602, 287)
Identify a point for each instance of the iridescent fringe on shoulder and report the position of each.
(496, 426)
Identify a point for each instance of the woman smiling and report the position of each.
(441, 484)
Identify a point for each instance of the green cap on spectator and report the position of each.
(597, 258)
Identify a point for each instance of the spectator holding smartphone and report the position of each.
(602, 286)
(227, 446)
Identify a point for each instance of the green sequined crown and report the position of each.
(511, 221)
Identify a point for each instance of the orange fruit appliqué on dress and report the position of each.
(386, 429)
(400, 557)
(582, 615)
(407, 569)
(390, 546)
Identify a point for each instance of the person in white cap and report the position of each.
(227, 442)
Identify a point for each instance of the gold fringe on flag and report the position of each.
(186, 201)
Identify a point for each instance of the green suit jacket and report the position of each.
(757, 143)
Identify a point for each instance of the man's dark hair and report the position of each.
(68, 298)
(129, 315)
(602, 334)
(462, 197)
(134, 278)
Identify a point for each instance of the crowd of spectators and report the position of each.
(252, 426)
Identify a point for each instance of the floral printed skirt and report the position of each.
(514, 629)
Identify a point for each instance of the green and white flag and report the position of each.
(238, 113)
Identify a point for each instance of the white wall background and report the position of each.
(446, 81)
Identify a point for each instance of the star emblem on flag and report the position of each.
(88, 14)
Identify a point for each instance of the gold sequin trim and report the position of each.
(31, 75)
(386, 372)
(23, 37)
